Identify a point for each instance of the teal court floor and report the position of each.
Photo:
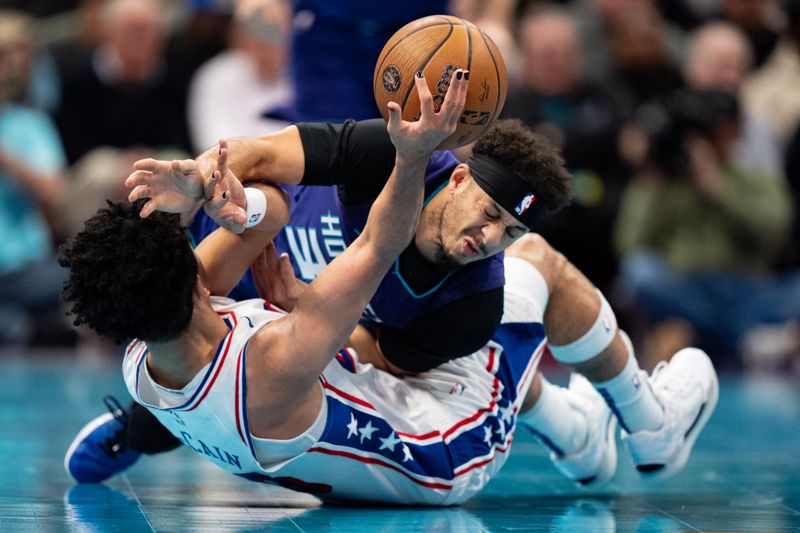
(744, 474)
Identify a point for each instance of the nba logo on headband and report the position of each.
(506, 188)
(525, 204)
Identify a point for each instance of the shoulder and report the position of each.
(222, 304)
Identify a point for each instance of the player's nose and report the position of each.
(493, 234)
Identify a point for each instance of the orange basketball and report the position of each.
(438, 45)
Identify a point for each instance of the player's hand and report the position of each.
(171, 186)
(225, 200)
(274, 279)
(420, 138)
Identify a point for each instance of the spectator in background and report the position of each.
(582, 119)
(698, 233)
(687, 14)
(641, 67)
(33, 70)
(719, 57)
(596, 20)
(760, 20)
(124, 92)
(31, 164)
(495, 18)
(229, 93)
(771, 93)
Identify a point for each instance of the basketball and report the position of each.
(437, 46)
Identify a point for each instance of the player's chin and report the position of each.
(447, 260)
(467, 260)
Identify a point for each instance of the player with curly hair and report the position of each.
(444, 297)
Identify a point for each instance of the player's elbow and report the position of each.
(278, 208)
(281, 205)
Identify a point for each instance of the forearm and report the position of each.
(227, 256)
(392, 221)
(277, 157)
(335, 299)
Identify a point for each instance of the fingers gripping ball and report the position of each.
(437, 46)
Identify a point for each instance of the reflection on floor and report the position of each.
(744, 475)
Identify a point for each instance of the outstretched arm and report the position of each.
(224, 256)
(294, 350)
(358, 156)
(175, 186)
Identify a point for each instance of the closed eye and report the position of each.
(514, 231)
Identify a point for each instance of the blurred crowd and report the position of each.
(678, 119)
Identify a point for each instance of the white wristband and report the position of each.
(256, 206)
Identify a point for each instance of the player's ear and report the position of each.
(201, 292)
(460, 176)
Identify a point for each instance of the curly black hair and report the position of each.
(131, 277)
(531, 156)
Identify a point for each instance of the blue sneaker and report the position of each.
(98, 453)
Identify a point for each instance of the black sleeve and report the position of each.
(356, 156)
(451, 331)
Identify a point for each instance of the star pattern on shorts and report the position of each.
(352, 427)
(507, 414)
(389, 442)
(367, 430)
(407, 454)
(501, 430)
(487, 434)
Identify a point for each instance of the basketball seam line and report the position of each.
(497, 74)
(425, 64)
(395, 45)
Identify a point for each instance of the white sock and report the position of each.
(559, 426)
(631, 399)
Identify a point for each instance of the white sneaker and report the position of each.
(595, 463)
(687, 389)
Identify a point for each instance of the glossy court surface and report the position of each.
(744, 474)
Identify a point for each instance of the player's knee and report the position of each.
(535, 249)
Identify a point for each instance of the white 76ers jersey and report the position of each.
(435, 438)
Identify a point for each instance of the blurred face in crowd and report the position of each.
(16, 56)
(262, 32)
(747, 13)
(637, 40)
(469, 225)
(611, 10)
(718, 57)
(135, 29)
(551, 53)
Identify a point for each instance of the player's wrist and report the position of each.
(256, 208)
(412, 159)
